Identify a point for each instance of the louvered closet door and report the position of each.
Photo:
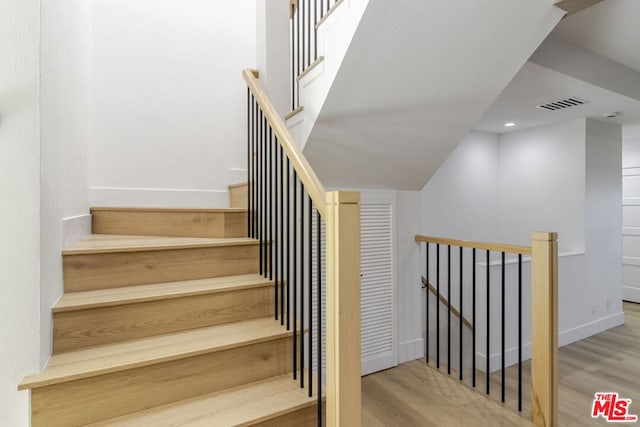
(379, 342)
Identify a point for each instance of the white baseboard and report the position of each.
(595, 327)
(629, 293)
(75, 228)
(410, 350)
(564, 338)
(158, 197)
(510, 358)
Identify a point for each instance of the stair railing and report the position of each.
(287, 207)
(544, 313)
(306, 17)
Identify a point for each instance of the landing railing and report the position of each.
(288, 211)
(447, 275)
(306, 17)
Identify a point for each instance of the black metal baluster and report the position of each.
(461, 323)
(251, 182)
(315, 30)
(293, 58)
(270, 207)
(520, 332)
(473, 318)
(488, 352)
(304, 34)
(319, 315)
(426, 343)
(260, 189)
(282, 224)
(276, 222)
(254, 189)
(449, 309)
(265, 190)
(502, 392)
(309, 31)
(302, 285)
(295, 275)
(299, 43)
(249, 152)
(289, 222)
(310, 298)
(438, 305)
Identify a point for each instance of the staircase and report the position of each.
(164, 321)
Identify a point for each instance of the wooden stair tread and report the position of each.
(109, 243)
(178, 210)
(239, 406)
(143, 293)
(239, 184)
(116, 357)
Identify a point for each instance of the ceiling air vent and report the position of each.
(562, 104)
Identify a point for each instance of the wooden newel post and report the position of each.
(343, 309)
(544, 329)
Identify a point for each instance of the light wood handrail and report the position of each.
(498, 247)
(312, 184)
(341, 213)
(444, 301)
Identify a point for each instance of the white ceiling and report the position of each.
(535, 85)
(610, 28)
(414, 82)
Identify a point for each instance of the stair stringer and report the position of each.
(415, 78)
(334, 37)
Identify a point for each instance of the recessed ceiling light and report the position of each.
(509, 125)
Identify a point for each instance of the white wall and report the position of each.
(631, 212)
(603, 220)
(66, 134)
(542, 184)
(19, 204)
(273, 49)
(461, 199)
(409, 294)
(563, 177)
(169, 110)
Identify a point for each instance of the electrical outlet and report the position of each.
(594, 309)
(608, 304)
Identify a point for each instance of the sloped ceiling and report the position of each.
(416, 78)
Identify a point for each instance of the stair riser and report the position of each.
(86, 272)
(169, 223)
(238, 196)
(112, 395)
(77, 329)
(306, 417)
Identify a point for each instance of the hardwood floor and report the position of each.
(416, 395)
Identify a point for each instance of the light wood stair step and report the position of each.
(82, 319)
(118, 379)
(278, 401)
(109, 261)
(238, 194)
(170, 222)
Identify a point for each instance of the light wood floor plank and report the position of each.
(609, 361)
